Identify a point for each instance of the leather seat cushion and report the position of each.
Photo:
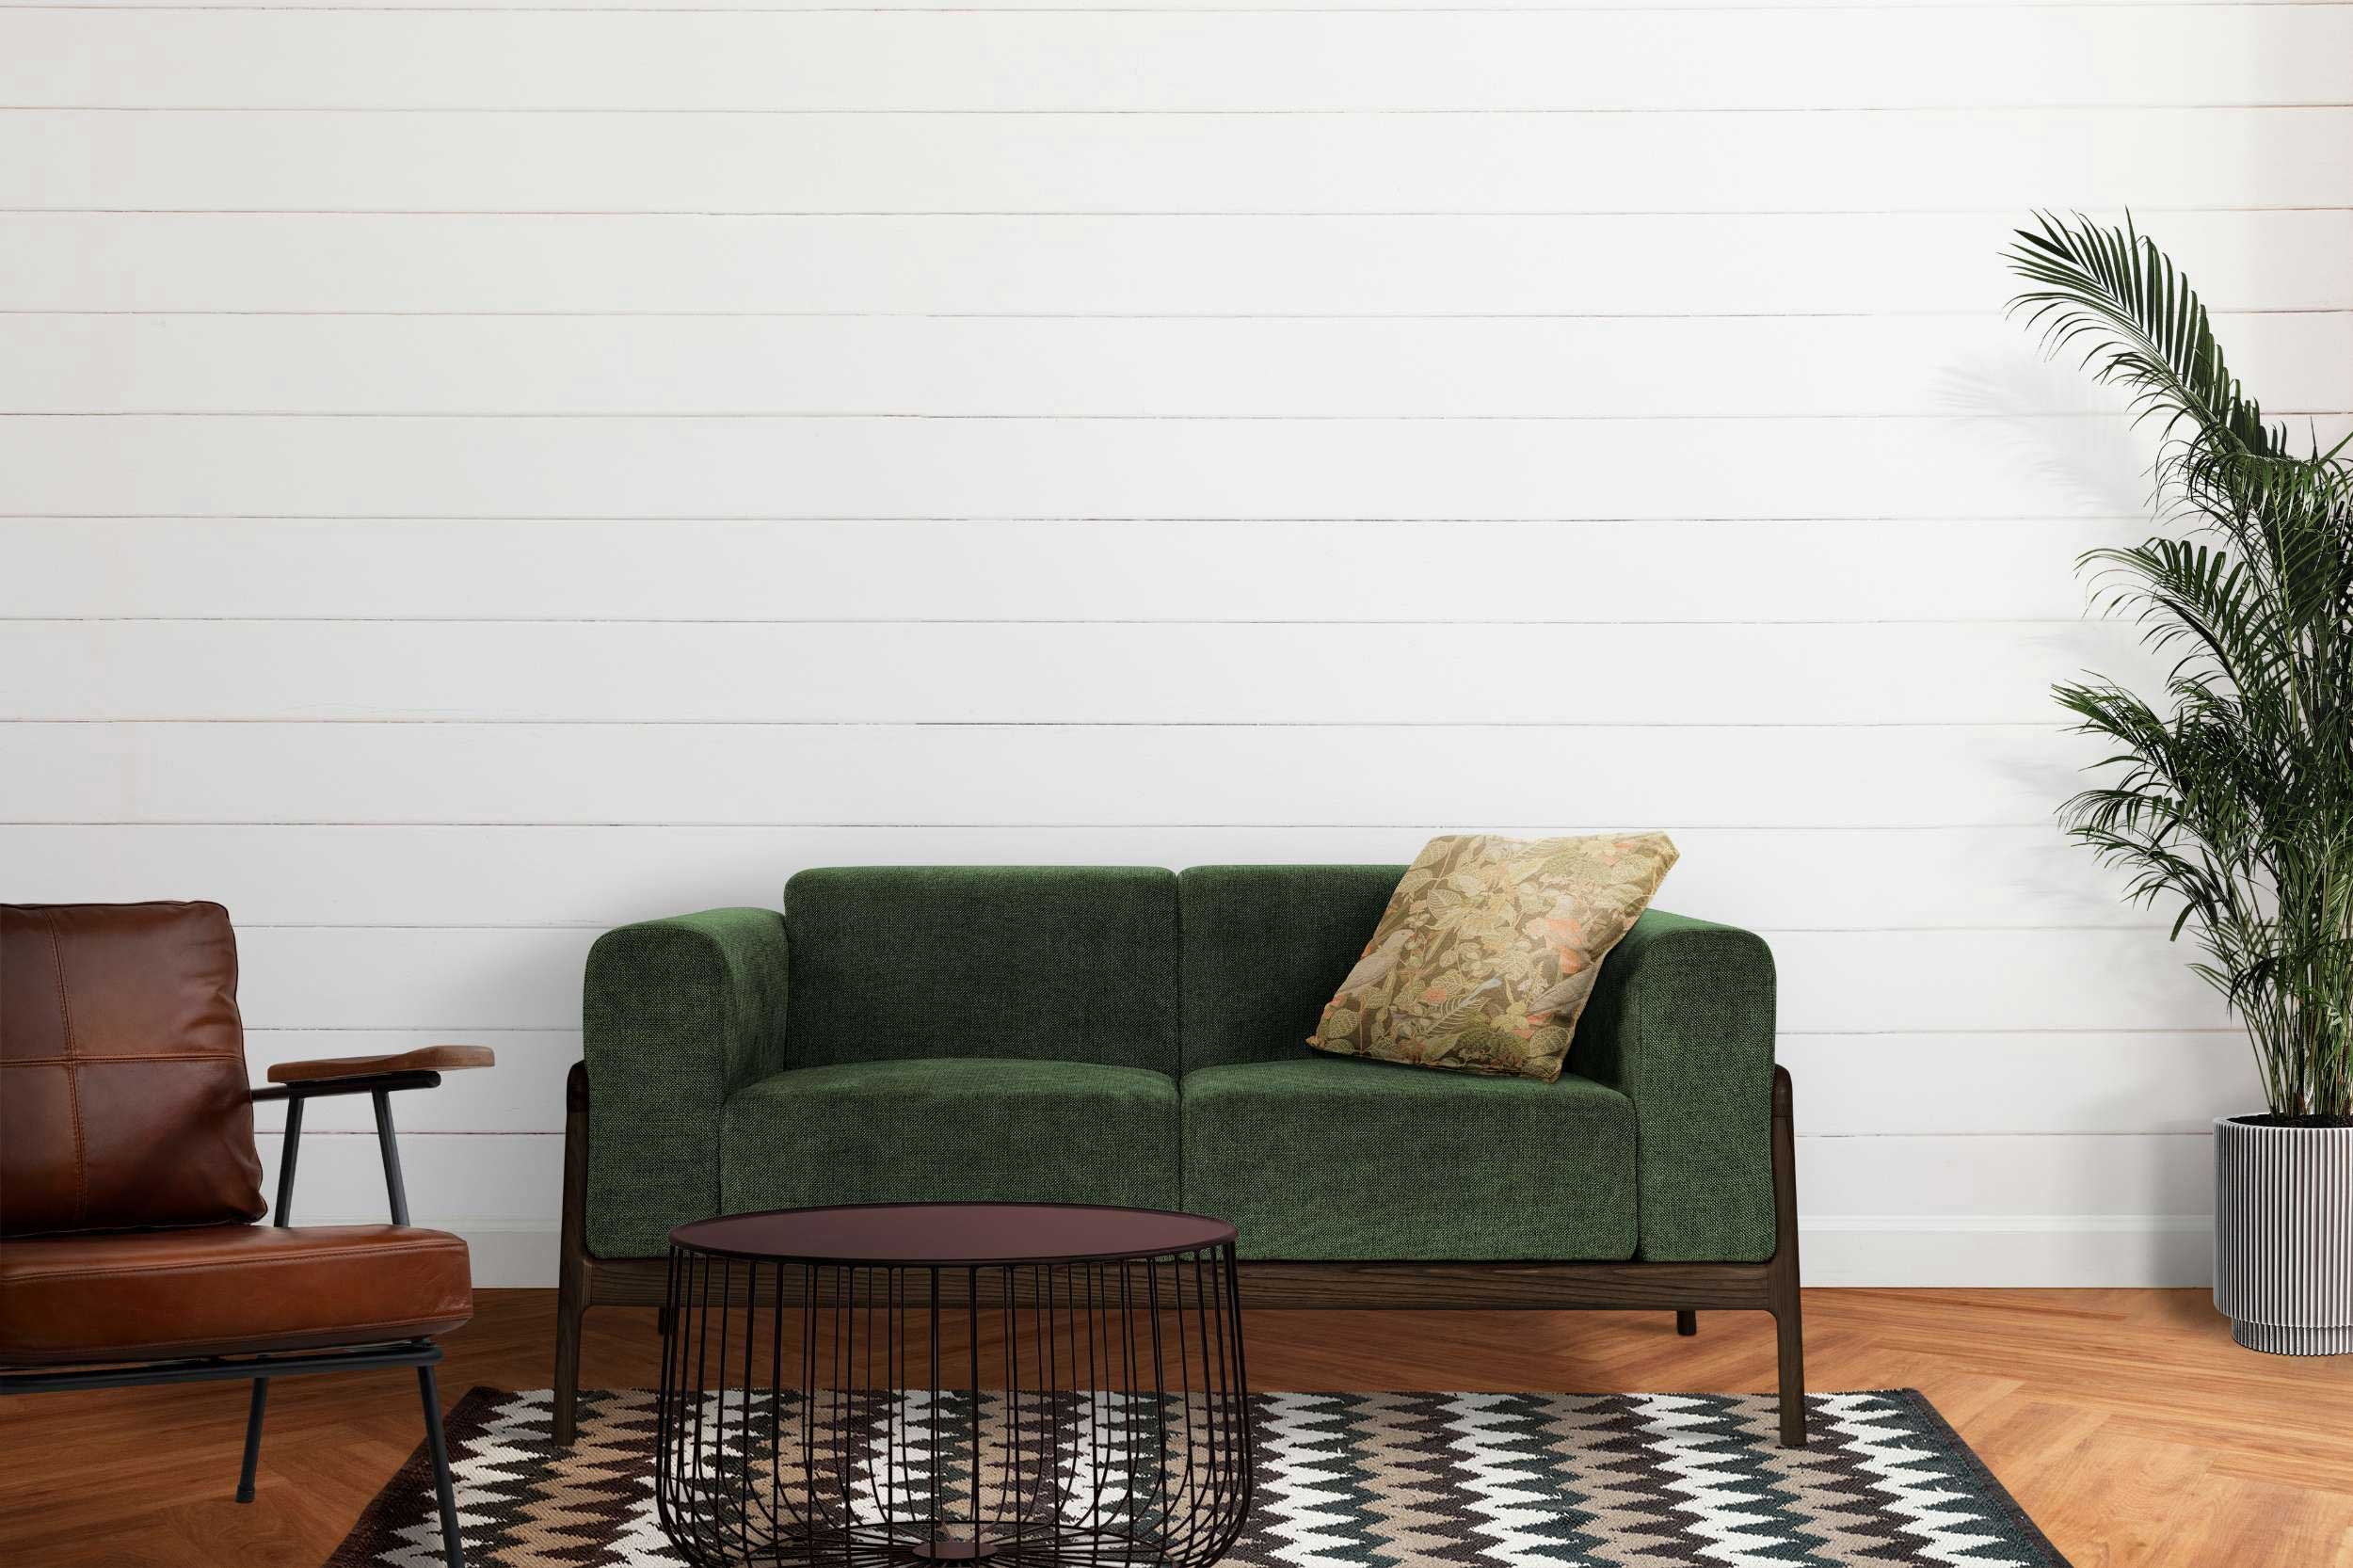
(225, 1290)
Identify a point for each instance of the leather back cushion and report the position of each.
(123, 1095)
(1062, 963)
(1265, 947)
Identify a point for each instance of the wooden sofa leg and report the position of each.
(1788, 1306)
(1789, 1334)
(571, 1282)
(567, 1322)
(1687, 1323)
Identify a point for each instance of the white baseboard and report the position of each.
(1991, 1250)
(2008, 1250)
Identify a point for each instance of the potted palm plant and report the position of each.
(2228, 796)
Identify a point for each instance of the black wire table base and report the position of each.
(1089, 1411)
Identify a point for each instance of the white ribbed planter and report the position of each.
(2284, 1235)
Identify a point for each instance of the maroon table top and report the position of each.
(953, 1234)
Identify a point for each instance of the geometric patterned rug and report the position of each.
(1354, 1481)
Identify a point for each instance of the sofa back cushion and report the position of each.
(124, 1099)
(1264, 949)
(1060, 963)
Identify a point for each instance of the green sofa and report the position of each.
(1132, 1036)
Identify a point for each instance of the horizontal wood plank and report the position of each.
(1797, 161)
(1966, 1085)
(1660, 571)
(687, 263)
(1080, 60)
(1920, 878)
(501, 1181)
(1848, 1182)
(412, 981)
(1486, 369)
(848, 468)
(1088, 776)
(1995, 672)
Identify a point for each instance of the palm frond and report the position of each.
(2113, 292)
(2229, 795)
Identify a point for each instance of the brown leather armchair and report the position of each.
(130, 1191)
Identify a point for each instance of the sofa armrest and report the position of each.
(1681, 1022)
(676, 1015)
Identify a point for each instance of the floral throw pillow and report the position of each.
(1488, 949)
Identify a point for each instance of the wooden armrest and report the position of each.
(430, 1059)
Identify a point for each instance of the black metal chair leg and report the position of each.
(389, 1147)
(436, 1445)
(252, 1439)
(282, 1214)
(1687, 1323)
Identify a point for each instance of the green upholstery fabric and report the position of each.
(676, 1015)
(1265, 948)
(1681, 1022)
(1323, 1158)
(1017, 1032)
(1070, 963)
(950, 1128)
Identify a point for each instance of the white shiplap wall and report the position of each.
(477, 473)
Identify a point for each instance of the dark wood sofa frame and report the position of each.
(1685, 1288)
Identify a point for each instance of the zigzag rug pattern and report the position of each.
(1357, 1481)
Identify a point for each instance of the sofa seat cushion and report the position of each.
(1002, 1128)
(154, 1295)
(1327, 1158)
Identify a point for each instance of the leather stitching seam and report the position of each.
(72, 1078)
(101, 1061)
(36, 1274)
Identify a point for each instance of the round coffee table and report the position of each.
(889, 1384)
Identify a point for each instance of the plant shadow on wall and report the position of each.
(2028, 417)
(2229, 793)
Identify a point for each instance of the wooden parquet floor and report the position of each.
(2125, 1422)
